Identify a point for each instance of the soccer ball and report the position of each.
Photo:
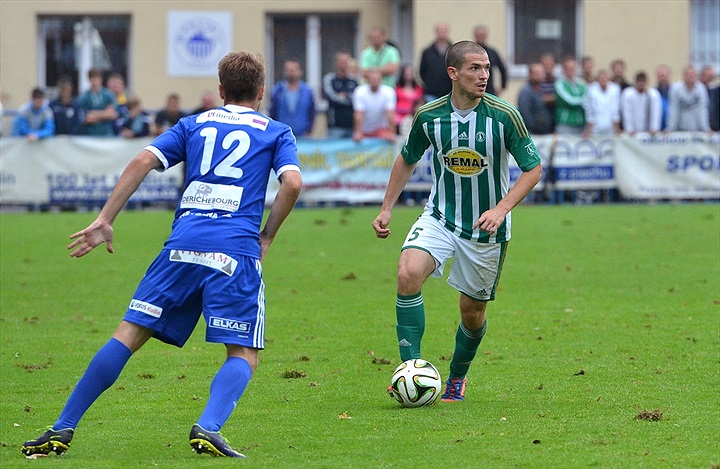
(415, 383)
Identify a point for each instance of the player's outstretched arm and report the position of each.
(290, 186)
(101, 231)
(399, 177)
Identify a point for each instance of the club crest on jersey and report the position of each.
(480, 136)
(529, 148)
(465, 162)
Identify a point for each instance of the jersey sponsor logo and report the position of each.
(228, 324)
(147, 308)
(226, 117)
(465, 162)
(214, 260)
(206, 196)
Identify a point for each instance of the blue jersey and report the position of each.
(229, 153)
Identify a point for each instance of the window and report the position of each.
(312, 39)
(540, 26)
(705, 33)
(71, 45)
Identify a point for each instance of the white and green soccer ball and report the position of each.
(415, 383)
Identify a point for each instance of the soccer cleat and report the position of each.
(454, 390)
(51, 440)
(203, 441)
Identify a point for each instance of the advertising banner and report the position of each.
(681, 165)
(76, 171)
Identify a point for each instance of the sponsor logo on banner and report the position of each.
(465, 162)
(206, 196)
(228, 324)
(147, 308)
(214, 260)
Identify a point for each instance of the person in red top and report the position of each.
(408, 91)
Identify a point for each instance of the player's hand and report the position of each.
(490, 220)
(380, 225)
(265, 242)
(96, 233)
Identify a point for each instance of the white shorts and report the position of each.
(477, 266)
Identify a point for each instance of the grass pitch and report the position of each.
(603, 347)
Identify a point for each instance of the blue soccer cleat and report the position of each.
(454, 390)
(51, 440)
(203, 441)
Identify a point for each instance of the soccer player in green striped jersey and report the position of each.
(471, 136)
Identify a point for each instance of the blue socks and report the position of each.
(225, 390)
(101, 373)
(105, 367)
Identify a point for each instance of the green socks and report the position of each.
(466, 346)
(410, 311)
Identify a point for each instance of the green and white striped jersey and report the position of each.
(470, 160)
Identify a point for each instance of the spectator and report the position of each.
(587, 65)
(381, 56)
(641, 107)
(481, 33)
(169, 115)
(99, 107)
(207, 102)
(406, 123)
(688, 104)
(338, 87)
(707, 76)
(374, 109)
(602, 106)
(547, 85)
(35, 119)
(116, 85)
(663, 74)
(66, 110)
(292, 100)
(137, 123)
(432, 64)
(570, 95)
(531, 105)
(617, 67)
(407, 92)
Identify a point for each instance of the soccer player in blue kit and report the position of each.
(211, 263)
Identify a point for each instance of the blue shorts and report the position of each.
(180, 285)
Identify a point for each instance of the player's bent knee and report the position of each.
(248, 354)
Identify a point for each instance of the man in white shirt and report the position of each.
(641, 107)
(602, 106)
(374, 109)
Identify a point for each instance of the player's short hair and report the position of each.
(241, 75)
(37, 93)
(641, 76)
(456, 54)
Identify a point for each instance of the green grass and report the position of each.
(603, 312)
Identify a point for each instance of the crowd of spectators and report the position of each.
(606, 103)
(376, 96)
